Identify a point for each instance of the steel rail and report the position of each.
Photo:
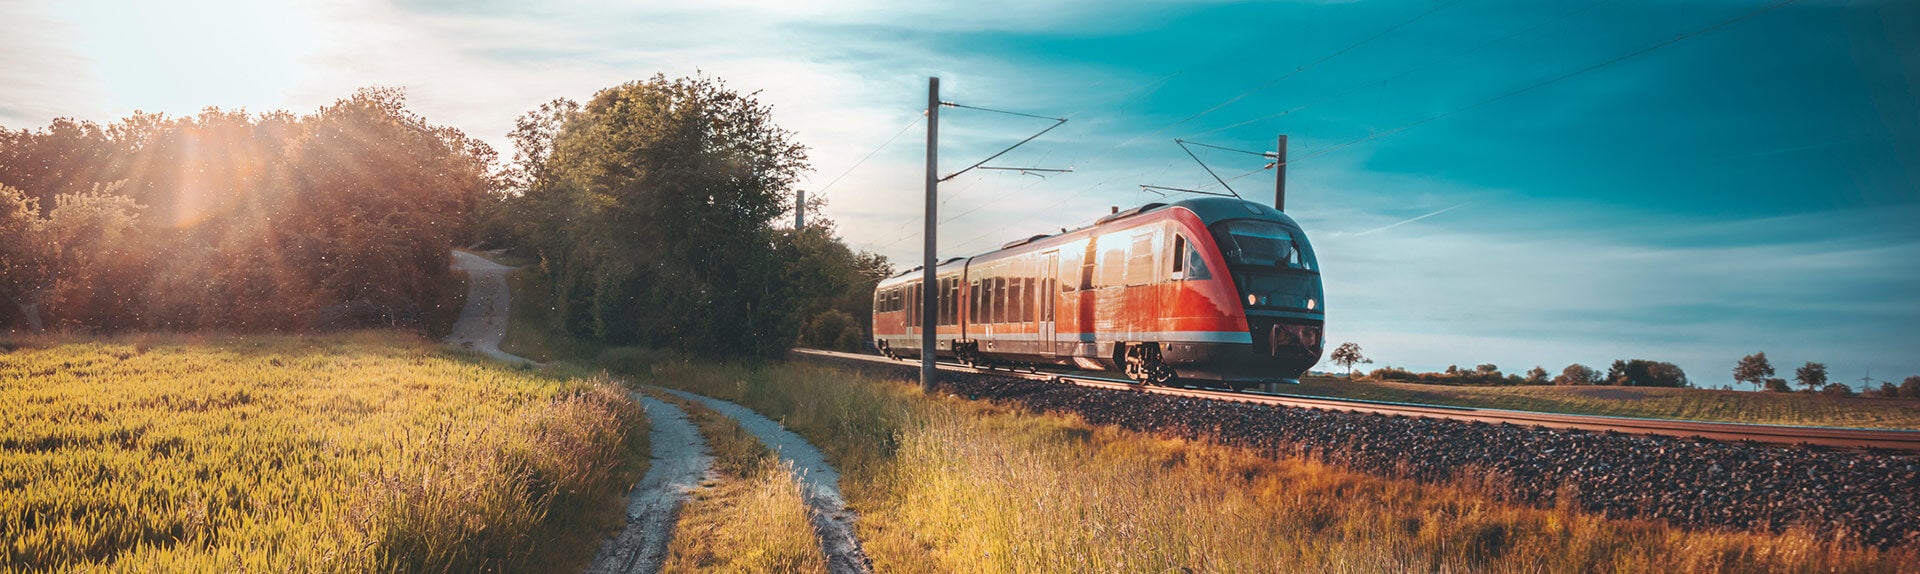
(1854, 438)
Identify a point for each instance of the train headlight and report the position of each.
(1310, 304)
(1253, 299)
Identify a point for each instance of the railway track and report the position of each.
(1853, 438)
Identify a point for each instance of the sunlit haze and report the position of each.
(1751, 188)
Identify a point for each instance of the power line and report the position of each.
(822, 192)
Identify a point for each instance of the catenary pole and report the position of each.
(928, 291)
(1280, 176)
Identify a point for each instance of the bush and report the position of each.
(1778, 385)
(1577, 374)
(1837, 390)
(1910, 388)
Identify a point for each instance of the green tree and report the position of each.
(1536, 376)
(1349, 354)
(1753, 369)
(65, 258)
(1812, 375)
(653, 215)
(1577, 374)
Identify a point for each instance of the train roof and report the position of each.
(1211, 210)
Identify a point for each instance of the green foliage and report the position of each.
(1812, 375)
(1644, 373)
(651, 209)
(1577, 374)
(1753, 369)
(272, 221)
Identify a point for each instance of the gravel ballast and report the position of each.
(1869, 497)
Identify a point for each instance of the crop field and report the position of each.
(944, 484)
(1648, 402)
(358, 452)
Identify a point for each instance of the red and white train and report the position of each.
(1213, 289)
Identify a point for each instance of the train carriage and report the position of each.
(1212, 289)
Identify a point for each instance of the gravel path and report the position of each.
(832, 521)
(483, 322)
(680, 462)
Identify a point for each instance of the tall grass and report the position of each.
(949, 485)
(347, 453)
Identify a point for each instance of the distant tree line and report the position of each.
(1625, 373)
(1753, 369)
(1757, 370)
(342, 217)
(652, 210)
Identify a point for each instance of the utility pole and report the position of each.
(800, 210)
(1280, 176)
(927, 291)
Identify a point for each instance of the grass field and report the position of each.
(947, 485)
(751, 517)
(1690, 404)
(357, 452)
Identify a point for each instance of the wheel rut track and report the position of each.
(833, 522)
(681, 461)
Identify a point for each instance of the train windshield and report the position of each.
(1262, 244)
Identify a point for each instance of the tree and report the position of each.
(59, 258)
(1812, 375)
(1577, 374)
(1910, 388)
(1536, 376)
(1777, 385)
(1753, 369)
(1347, 355)
(653, 214)
(1645, 373)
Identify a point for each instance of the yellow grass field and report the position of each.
(949, 485)
(1645, 402)
(360, 452)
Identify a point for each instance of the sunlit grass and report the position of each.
(948, 485)
(346, 453)
(1646, 402)
(751, 517)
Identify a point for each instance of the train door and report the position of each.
(1044, 294)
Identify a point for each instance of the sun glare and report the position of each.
(178, 57)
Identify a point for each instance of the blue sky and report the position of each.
(1753, 188)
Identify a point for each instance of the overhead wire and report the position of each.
(822, 192)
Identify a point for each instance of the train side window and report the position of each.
(1179, 255)
(1019, 300)
(1196, 266)
(946, 301)
(1113, 258)
(1140, 259)
(999, 300)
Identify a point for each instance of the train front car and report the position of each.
(1277, 282)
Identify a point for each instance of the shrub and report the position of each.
(1837, 390)
(1778, 385)
(1910, 388)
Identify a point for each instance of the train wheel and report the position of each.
(1143, 365)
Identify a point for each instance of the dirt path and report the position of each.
(483, 322)
(832, 521)
(680, 462)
